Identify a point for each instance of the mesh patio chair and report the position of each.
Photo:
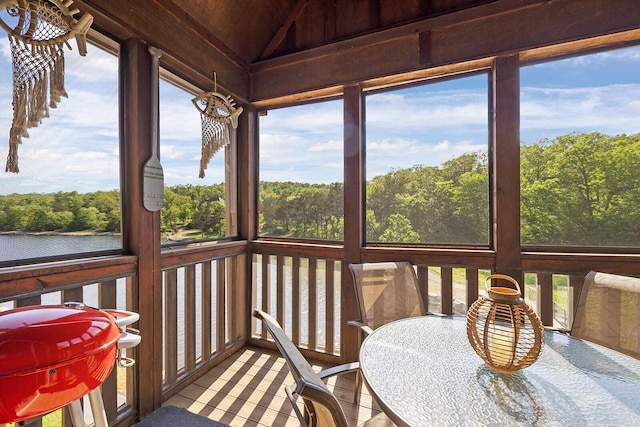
(386, 291)
(608, 312)
(321, 407)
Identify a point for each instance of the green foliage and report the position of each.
(577, 189)
(100, 211)
(437, 204)
(582, 189)
(210, 218)
(290, 209)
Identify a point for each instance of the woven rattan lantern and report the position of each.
(504, 331)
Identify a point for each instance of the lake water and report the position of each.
(24, 246)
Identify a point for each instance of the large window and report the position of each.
(580, 150)
(301, 172)
(194, 208)
(65, 199)
(426, 163)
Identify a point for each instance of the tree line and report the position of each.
(576, 189)
(196, 207)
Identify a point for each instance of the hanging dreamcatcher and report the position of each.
(38, 31)
(219, 118)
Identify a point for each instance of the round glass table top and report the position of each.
(424, 372)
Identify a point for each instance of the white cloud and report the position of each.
(97, 66)
(170, 152)
(324, 146)
(608, 109)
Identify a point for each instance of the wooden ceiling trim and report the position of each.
(428, 74)
(343, 67)
(495, 29)
(625, 38)
(186, 50)
(284, 29)
(548, 24)
(313, 95)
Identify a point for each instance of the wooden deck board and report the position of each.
(248, 390)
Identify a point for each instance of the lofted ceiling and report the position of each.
(265, 51)
(256, 30)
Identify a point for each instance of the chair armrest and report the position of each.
(358, 324)
(340, 369)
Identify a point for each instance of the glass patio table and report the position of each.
(423, 372)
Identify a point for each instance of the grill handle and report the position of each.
(123, 318)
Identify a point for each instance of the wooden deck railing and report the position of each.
(297, 290)
(209, 291)
(304, 295)
(203, 317)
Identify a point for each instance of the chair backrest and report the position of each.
(386, 291)
(608, 312)
(322, 407)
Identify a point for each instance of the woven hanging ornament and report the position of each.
(37, 31)
(219, 117)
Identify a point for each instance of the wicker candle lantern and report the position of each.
(504, 331)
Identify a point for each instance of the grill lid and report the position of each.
(42, 337)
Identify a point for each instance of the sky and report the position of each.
(77, 147)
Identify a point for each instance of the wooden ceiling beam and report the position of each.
(279, 36)
(503, 27)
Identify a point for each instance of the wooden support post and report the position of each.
(505, 168)
(354, 193)
(141, 228)
(247, 204)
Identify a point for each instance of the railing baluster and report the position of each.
(74, 295)
(544, 296)
(280, 290)
(295, 303)
(472, 286)
(265, 287)
(237, 296)
(423, 283)
(446, 290)
(573, 297)
(228, 286)
(24, 302)
(330, 306)
(313, 304)
(190, 317)
(170, 326)
(221, 324)
(205, 289)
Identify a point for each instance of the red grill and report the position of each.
(51, 356)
